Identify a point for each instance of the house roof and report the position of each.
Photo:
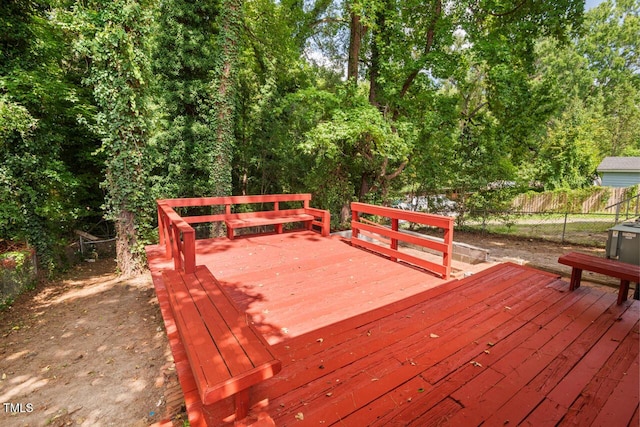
(620, 164)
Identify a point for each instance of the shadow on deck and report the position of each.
(364, 341)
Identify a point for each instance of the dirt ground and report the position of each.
(86, 350)
(535, 253)
(90, 349)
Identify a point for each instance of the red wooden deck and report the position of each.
(364, 341)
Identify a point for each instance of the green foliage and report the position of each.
(597, 89)
(195, 91)
(17, 274)
(181, 147)
(48, 180)
(355, 145)
(186, 98)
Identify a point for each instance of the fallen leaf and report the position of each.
(487, 351)
(474, 363)
(329, 394)
(320, 340)
(299, 416)
(434, 336)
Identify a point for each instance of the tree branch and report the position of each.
(430, 37)
(514, 10)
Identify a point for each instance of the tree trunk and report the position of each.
(345, 213)
(355, 41)
(220, 177)
(224, 97)
(130, 263)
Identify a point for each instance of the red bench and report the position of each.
(226, 353)
(625, 272)
(276, 217)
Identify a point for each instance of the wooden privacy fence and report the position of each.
(604, 200)
(178, 237)
(394, 235)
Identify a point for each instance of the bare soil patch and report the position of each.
(86, 350)
(90, 349)
(535, 253)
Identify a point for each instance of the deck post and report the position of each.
(448, 255)
(175, 249)
(242, 404)
(576, 278)
(160, 226)
(189, 250)
(394, 241)
(326, 224)
(355, 218)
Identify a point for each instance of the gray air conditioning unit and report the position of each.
(623, 242)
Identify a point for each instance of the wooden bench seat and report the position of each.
(625, 272)
(256, 219)
(226, 353)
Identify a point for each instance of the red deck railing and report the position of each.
(395, 235)
(178, 237)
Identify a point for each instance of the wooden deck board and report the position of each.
(371, 342)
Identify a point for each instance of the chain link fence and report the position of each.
(576, 228)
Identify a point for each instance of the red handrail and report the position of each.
(395, 235)
(178, 238)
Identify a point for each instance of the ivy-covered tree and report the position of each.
(114, 39)
(184, 148)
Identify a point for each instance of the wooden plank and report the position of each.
(232, 200)
(417, 217)
(611, 378)
(438, 415)
(213, 369)
(527, 398)
(287, 213)
(252, 343)
(401, 371)
(619, 408)
(86, 235)
(337, 333)
(502, 340)
(526, 362)
(240, 222)
(336, 357)
(415, 240)
(569, 388)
